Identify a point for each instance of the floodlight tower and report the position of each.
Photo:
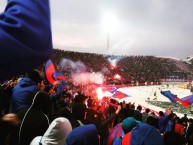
(110, 24)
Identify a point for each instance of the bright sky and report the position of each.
(136, 27)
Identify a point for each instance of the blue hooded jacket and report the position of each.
(25, 36)
(23, 94)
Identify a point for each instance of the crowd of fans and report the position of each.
(35, 112)
(132, 69)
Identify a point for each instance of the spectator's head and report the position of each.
(179, 120)
(139, 108)
(80, 98)
(128, 124)
(147, 110)
(90, 102)
(152, 114)
(171, 116)
(143, 134)
(190, 120)
(64, 112)
(35, 76)
(132, 106)
(173, 138)
(161, 113)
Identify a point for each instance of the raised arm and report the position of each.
(25, 36)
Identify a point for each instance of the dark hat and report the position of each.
(129, 123)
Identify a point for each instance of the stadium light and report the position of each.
(110, 23)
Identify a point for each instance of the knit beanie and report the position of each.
(128, 124)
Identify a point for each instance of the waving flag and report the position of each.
(108, 88)
(112, 90)
(59, 76)
(173, 98)
(49, 71)
(119, 95)
(187, 101)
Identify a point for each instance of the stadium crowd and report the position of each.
(132, 69)
(35, 112)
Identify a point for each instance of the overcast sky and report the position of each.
(139, 27)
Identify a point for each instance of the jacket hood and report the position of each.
(25, 82)
(56, 133)
(83, 135)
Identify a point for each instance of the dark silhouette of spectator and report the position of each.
(92, 115)
(138, 114)
(189, 131)
(171, 122)
(185, 118)
(152, 120)
(162, 121)
(34, 120)
(145, 115)
(131, 110)
(78, 115)
(105, 126)
(124, 113)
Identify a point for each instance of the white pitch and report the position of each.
(140, 94)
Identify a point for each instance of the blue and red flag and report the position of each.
(119, 95)
(49, 71)
(117, 131)
(112, 90)
(59, 76)
(187, 101)
(173, 98)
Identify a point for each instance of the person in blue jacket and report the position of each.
(25, 36)
(23, 93)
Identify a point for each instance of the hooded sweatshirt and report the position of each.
(56, 133)
(83, 135)
(25, 36)
(34, 120)
(143, 134)
(23, 94)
